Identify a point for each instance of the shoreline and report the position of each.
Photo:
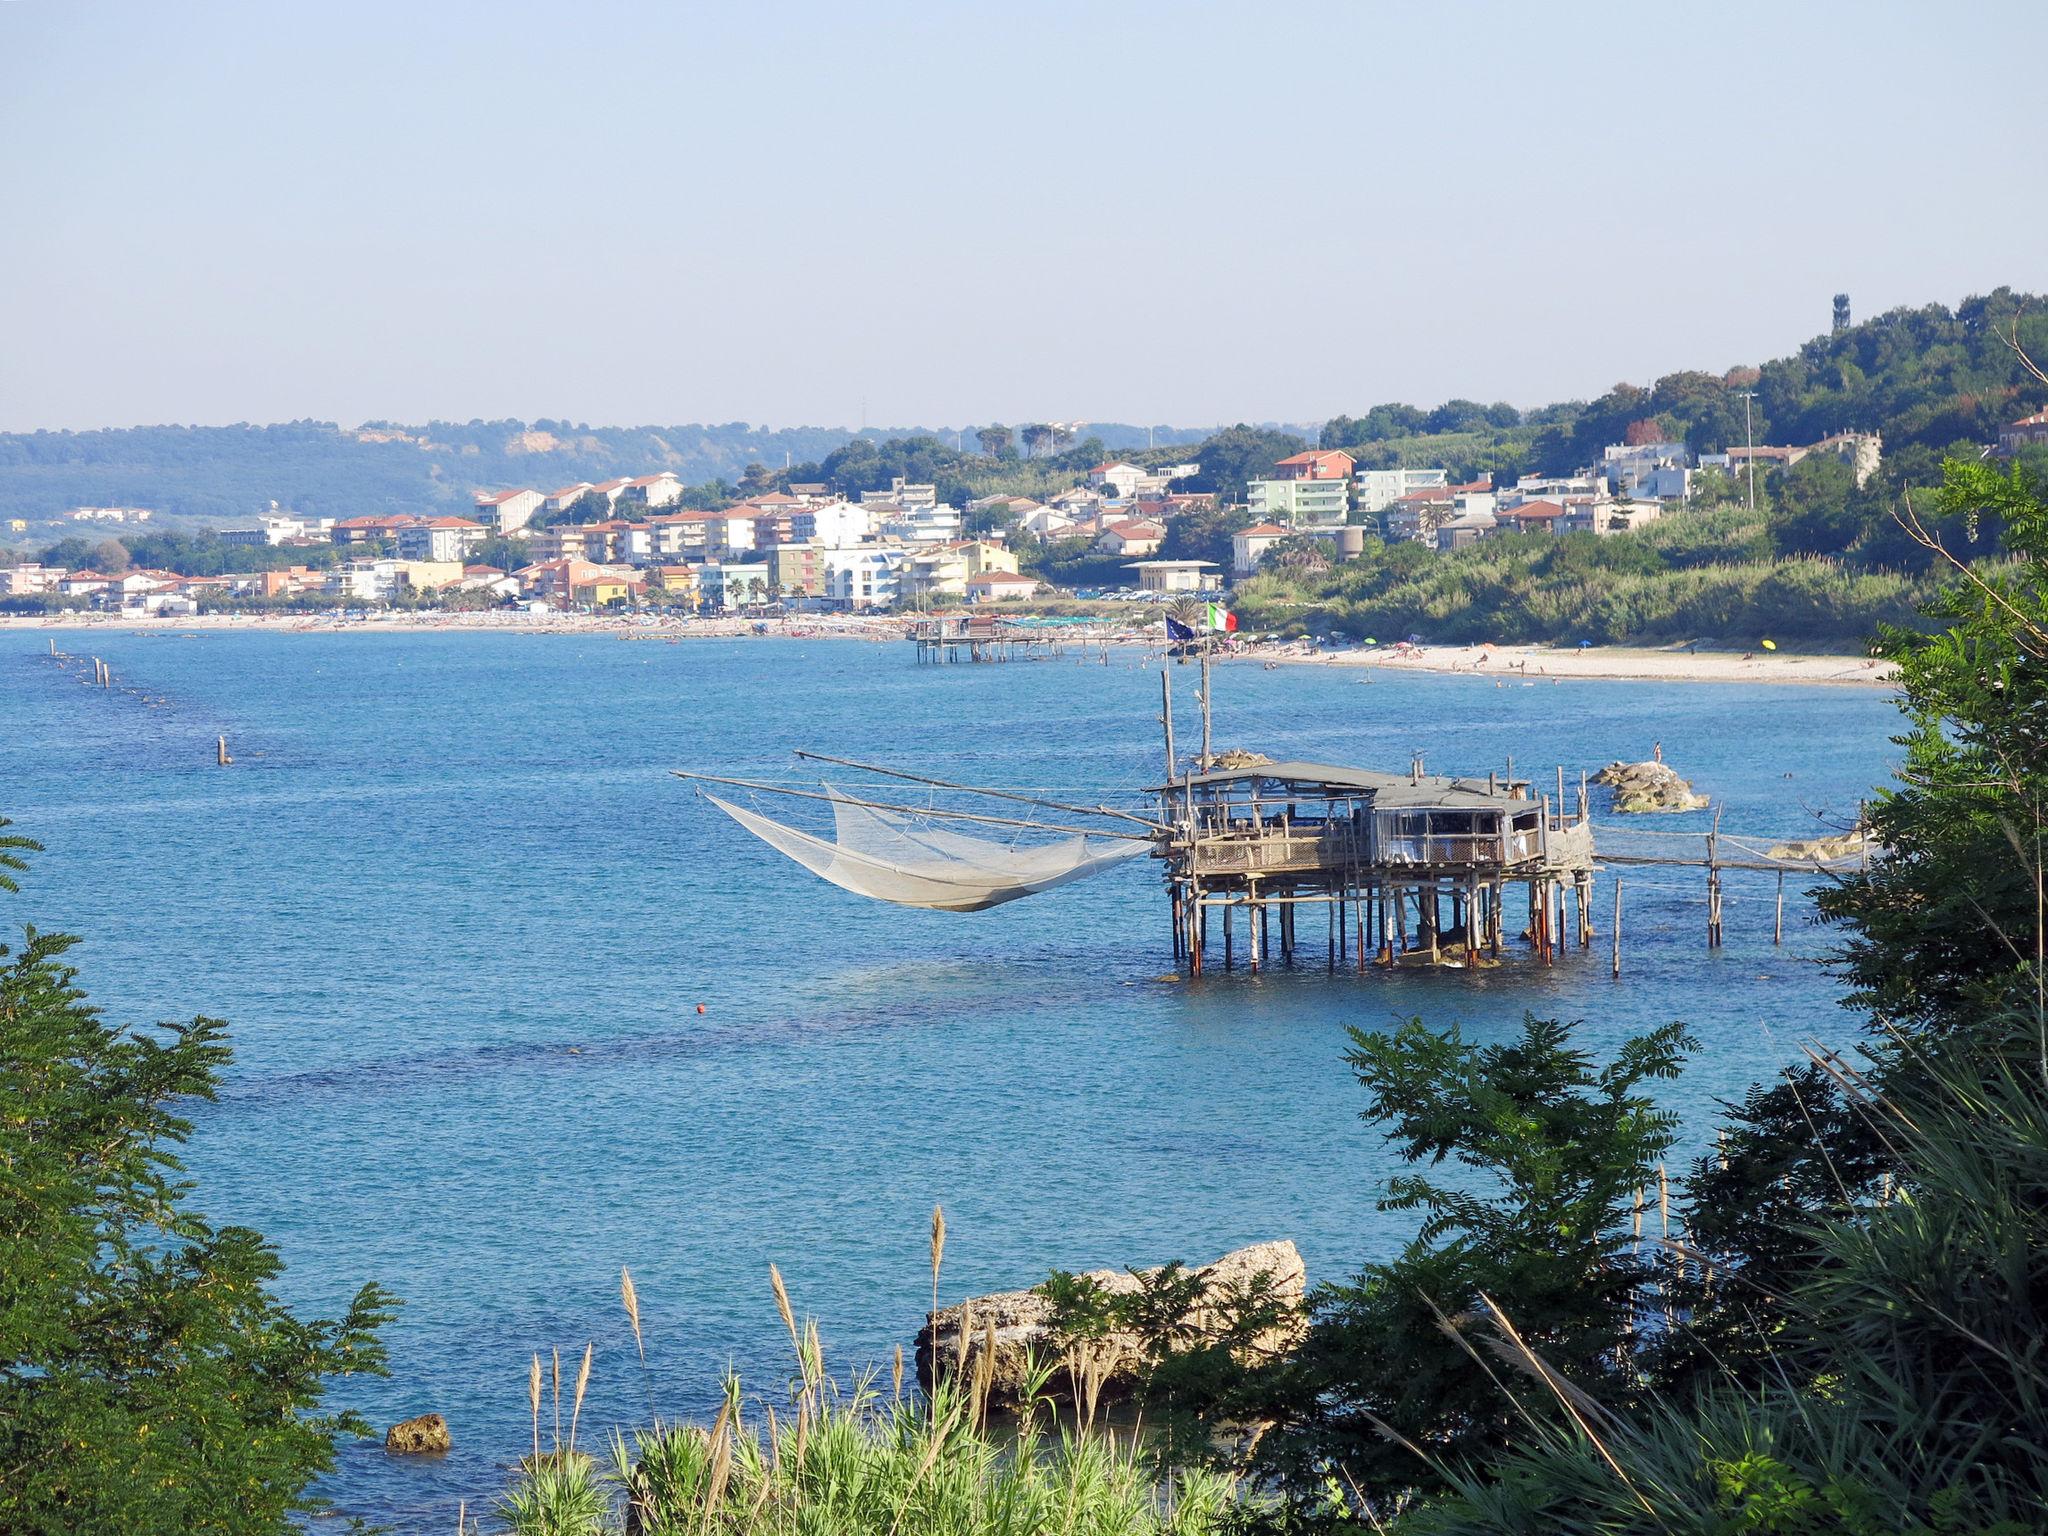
(1532, 665)
(1507, 665)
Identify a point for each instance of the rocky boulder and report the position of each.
(1854, 843)
(1017, 1320)
(426, 1435)
(1647, 788)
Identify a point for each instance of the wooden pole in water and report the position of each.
(1617, 927)
(1166, 715)
(1778, 931)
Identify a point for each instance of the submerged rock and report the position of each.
(1647, 788)
(426, 1435)
(1018, 1320)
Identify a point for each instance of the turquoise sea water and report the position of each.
(461, 919)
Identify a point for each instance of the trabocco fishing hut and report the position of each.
(1410, 868)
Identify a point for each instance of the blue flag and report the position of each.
(1175, 630)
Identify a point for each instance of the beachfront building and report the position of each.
(363, 581)
(1000, 587)
(1379, 489)
(29, 580)
(427, 575)
(439, 539)
(1177, 575)
(796, 571)
(727, 587)
(864, 577)
(1248, 546)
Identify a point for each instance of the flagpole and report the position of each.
(1208, 641)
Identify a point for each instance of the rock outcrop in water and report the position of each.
(1648, 788)
(1019, 1319)
(426, 1435)
(1851, 844)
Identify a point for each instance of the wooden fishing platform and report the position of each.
(977, 638)
(1408, 868)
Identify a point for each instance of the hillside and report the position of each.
(214, 475)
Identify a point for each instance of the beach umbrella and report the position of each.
(1770, 645)
(1585, 645)
(1370, 641)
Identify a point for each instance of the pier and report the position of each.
(1407, 869)
(974, 638)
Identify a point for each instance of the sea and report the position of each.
(514, 1007)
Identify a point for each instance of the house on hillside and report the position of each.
(1132, 537)
(506, 512)
(2024, 433)
(1379, 489)
(1306, 489)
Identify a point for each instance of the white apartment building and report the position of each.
(924, 525)
(1379, 489)
(1299, 503)
(867, 577)
(838, 524)
(905, 495)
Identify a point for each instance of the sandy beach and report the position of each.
(1510, 665)
(1513, 665)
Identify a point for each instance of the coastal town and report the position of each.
(631, 544)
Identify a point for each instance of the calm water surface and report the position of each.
(461, 919)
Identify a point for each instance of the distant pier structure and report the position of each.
(976, 637)
(1406, 869)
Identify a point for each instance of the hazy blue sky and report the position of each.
(799, 212)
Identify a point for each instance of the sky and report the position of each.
(803, 212)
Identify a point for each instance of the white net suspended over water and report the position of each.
(894, 856)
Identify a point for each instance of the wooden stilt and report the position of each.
(1778, 928)
(1617, 927)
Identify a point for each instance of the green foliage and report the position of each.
(1526, 1237)
(1688, 576)
(1930, 928)
(150, 1380)
(864, 1464)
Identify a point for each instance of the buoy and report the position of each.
(700, 1007)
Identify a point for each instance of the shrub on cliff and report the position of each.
(149, 1379)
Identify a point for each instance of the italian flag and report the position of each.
(1221, 618)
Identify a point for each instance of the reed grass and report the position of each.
(847, 1459)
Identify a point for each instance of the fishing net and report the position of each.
(895, 856)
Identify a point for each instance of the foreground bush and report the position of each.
(859, 1462)
(150, 1380)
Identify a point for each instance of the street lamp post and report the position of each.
(1749, 442)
